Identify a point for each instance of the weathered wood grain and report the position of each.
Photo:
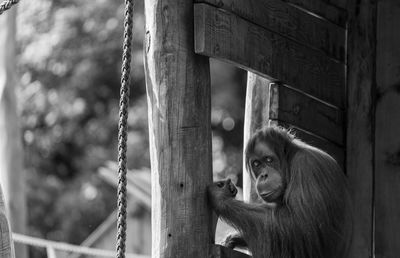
(361, 87)
(283, 99)
(324, 9)
(291, 22)
(307, 113)
(387, 131)
(225, 36)
(339, 3)
(178, 91)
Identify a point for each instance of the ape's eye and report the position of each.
(220, 184)
(255, 163)
(269, 159)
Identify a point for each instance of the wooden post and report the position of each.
(178, 90)
(387, 128)
(11, 154)
(361, 86)
(256, 116)
(51, 253)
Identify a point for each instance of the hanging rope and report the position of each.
(123, 128)
(7, 4)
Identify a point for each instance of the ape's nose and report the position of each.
(264, 176)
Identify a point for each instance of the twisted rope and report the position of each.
(123, 128)
(7, 4)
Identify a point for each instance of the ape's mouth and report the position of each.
(266, 195)
(269, 196)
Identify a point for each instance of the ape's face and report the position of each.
(266, 171)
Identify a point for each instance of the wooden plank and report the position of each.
(178, 91)
(323, 4)
(387, 128)
(282, 100)
(361, 87)
(223, 252)
(323, 9)
(339, 3)
(291, 22)
(225, 36)
(307, 113)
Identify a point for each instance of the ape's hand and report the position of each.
(221, 190)
(234, 240)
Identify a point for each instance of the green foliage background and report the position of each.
(69, 66)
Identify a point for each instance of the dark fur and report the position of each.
(312, 221)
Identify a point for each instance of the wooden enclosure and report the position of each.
(326, 68)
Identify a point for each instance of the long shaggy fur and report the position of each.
(314, 218)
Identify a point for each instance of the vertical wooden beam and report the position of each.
(256, 116)
(178, 90)
(12, 174)
(51, 253)
(361, 84)
(387, 137)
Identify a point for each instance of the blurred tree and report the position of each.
(69, 60)
(228, 95)
(12, 175)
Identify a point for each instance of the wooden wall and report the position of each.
(387, 131)
(365, 118)
(361, 84)
(373, 126)
(330, 68)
